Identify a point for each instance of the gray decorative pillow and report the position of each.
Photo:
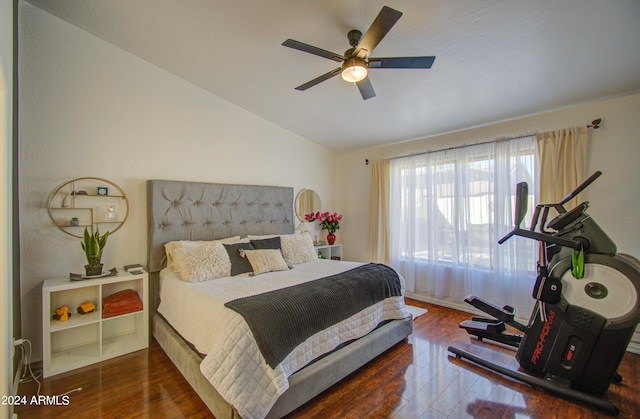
(239, 265)
(272, 243)
(298, 248)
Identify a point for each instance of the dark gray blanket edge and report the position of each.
(282, 319)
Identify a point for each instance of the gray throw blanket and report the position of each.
(282, 319)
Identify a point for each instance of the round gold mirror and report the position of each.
(307, 201)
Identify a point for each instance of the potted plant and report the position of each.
(74, 221)
(93, 245)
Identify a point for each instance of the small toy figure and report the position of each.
(86, 307)
(62, 314)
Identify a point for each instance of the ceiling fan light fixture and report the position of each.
(354, 70)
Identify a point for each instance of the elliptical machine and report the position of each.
(587, 306)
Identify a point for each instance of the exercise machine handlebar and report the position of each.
(522, 191)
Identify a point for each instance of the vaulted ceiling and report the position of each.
(495, 60)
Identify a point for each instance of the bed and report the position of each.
(194, 212)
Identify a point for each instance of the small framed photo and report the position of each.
(103, 190)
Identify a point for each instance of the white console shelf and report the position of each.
(329, 251)
(85, 339)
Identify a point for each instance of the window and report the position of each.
(448, 211)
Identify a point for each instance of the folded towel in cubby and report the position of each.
(122, 302)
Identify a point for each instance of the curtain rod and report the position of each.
(595, 124)
(495, 140)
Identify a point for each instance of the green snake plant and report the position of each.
(93, 245)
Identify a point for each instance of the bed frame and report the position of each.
(208, 211)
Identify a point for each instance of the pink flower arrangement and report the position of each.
(328, 221)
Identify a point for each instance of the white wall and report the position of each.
(91, 109)
(6, 267)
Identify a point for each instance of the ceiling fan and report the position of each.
(356, 60)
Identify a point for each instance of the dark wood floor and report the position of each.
(414, 379)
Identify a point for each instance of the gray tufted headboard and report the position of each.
(207, 211)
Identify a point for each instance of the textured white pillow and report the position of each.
(202, 263)
(265, 260)
(171, 247)
(298, 248)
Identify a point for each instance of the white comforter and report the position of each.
(233, 362)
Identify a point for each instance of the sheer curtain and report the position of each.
(448, 209)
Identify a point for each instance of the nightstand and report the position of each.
(85, 339)
(329, 251)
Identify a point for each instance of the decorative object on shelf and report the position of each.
(111, 214)
(62, 314)
(94, 201)
(63, 200)
(134, 269)
(329, 222)
(93, 245)
(86, 307)
(74, 221)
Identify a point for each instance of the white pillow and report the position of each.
(298, 248)
(265, 260)
(171, 247)
(202, 263)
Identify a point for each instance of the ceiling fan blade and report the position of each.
(366, 88)
(325, 76)
(401, 62)
(378, 29)
(313, 50)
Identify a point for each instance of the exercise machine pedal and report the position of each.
(490, 329)
(505, 314)
(483, 326)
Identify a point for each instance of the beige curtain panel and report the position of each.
(378, 249)
(563, 163)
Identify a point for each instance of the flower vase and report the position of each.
(331, 238)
